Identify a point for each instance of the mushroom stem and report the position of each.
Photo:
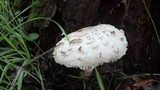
(85, 73)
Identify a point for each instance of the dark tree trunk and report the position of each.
(129, 15)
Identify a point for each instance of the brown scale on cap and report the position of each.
(63, 53)
(80, 48)
(100, 55)
(95, 47)
(112, 32)
(80, 59)
(80, 30)
(121, 39)
(74, 41)
(105, 43)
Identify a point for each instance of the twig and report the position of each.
(36, 57)
(154, 26)
(30, 61)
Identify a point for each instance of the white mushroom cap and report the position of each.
(91, 46)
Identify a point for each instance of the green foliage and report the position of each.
(18, 3)
(33, 36)
(36, 4)
(13, 46)
(14, 51)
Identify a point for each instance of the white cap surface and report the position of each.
(90, 47)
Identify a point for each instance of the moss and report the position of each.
(36, 12)
(36, 5)
(18, 3)
(21, 4)
(41, 8)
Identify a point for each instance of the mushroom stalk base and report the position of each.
(85, 74)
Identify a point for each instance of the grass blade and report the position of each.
(100, 82)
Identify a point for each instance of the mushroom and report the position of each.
(90, 47)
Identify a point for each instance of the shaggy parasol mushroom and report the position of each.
(90, 47)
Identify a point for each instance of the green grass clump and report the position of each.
(15, 57)
(14, 51)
